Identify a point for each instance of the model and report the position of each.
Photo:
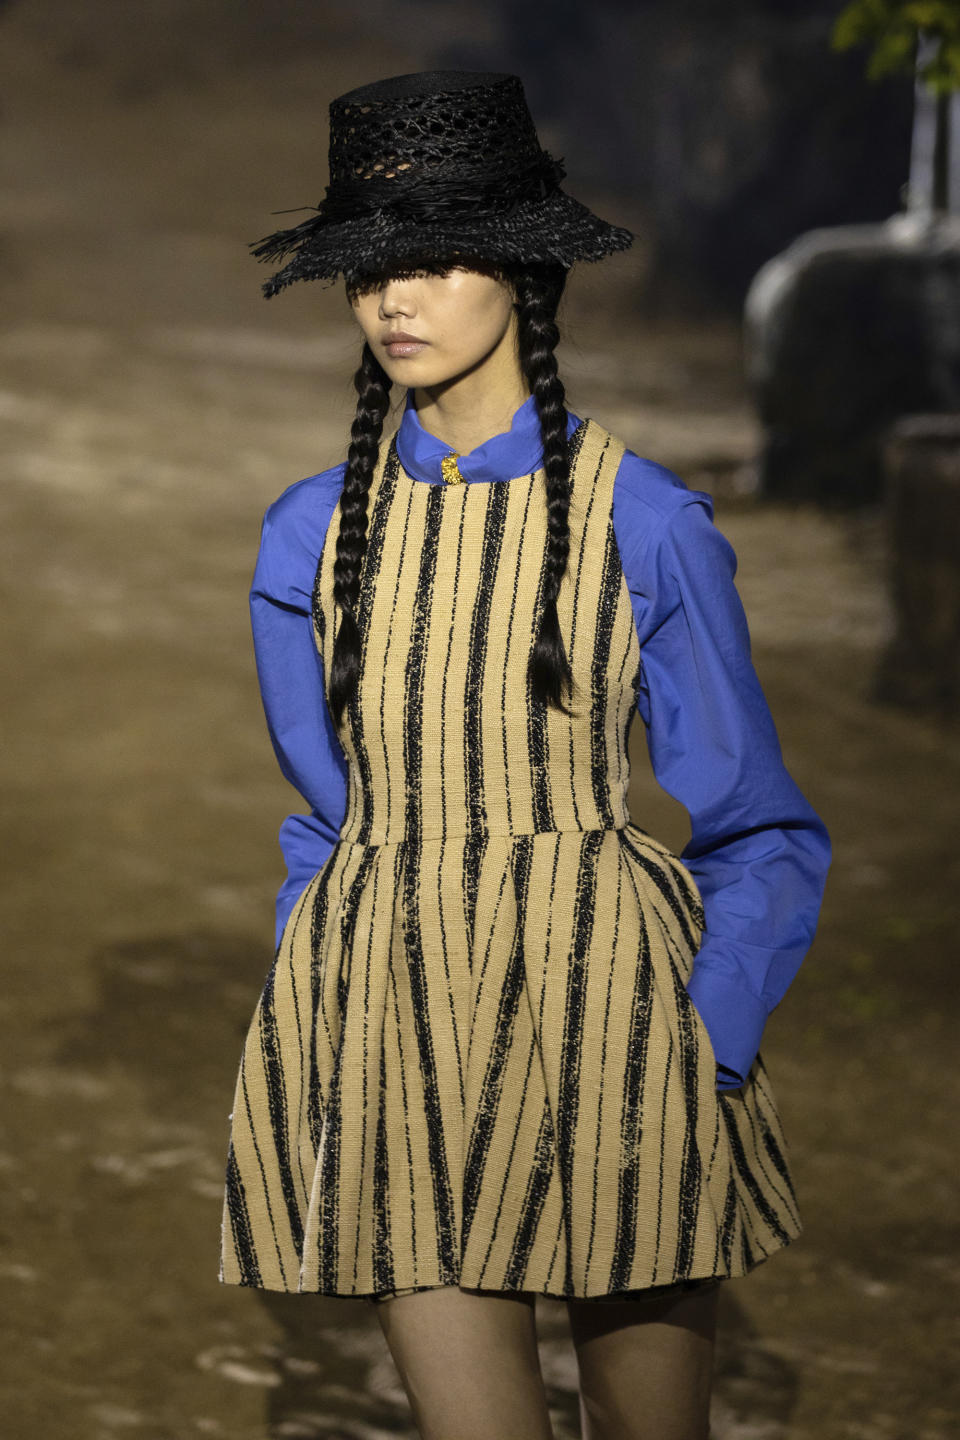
(509, 1043)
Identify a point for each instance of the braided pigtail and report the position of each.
(538, 289)
(372, 384)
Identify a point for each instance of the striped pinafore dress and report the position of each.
(474, 1061)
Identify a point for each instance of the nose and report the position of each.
(396, 299)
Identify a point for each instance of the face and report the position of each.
(464, 318)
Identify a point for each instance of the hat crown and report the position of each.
(429, 123)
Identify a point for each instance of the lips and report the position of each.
(401, 336)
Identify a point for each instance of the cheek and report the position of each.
(474, 329)
(365, 315)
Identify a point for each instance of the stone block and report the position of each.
(921, 666)
(845, 331)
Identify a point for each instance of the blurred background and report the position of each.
(785, 333)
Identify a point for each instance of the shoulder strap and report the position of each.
(595, 458)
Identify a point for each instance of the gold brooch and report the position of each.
(449, 470)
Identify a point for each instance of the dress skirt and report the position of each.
(474, 1060)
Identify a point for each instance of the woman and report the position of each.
(509, 1044)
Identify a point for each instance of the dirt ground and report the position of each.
(151, 405)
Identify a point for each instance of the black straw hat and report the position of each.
(436, 165)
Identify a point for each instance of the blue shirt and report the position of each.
(758, 852)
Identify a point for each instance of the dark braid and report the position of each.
(372, 384)
(538, 290)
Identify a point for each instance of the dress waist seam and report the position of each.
(347, 842)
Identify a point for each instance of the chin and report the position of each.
(400, 369)
(415, 372)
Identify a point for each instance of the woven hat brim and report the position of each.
(558, 229)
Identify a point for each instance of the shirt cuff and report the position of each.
(735, 1021)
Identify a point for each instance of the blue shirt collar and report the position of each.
(517, 451)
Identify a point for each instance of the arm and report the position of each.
(758, 852)
(291, 687)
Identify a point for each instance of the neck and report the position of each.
(468, 410)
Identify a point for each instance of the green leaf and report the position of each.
(893, 28)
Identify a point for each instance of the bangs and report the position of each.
(363, 281)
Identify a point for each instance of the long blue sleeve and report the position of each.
(291, 681)
(758, 852)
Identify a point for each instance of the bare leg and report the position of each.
(646, 1366)
(469, 1363)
